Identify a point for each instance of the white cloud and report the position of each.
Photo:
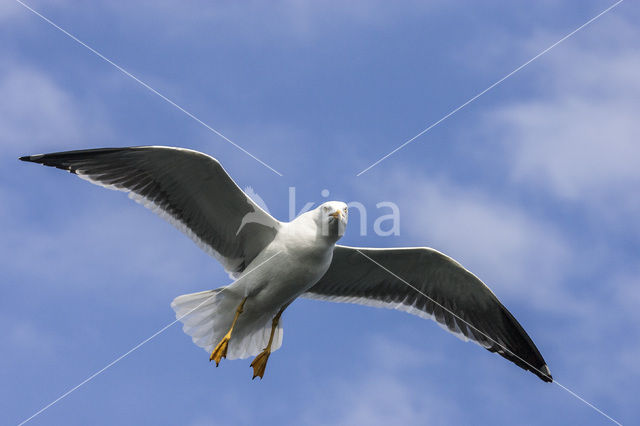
(103, 238)
(35, 112)
(387, 396)
(9, 10)
(34, 109)
(578, 137)
(23, 335)
(258, 22)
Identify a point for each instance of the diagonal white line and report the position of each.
(146, 86)
(488, 337)
(136, 347)
(490, 87)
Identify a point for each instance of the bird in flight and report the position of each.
(273, 263)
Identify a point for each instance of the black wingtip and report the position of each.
(543, 372)
(546, 374)
(31, 158)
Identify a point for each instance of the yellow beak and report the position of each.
(337, 214)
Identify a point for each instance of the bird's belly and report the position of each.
(291, 281)
(285, 277)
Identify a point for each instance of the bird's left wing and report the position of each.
(188, 188)
(443, 291)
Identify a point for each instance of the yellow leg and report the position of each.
(220, 350)
(259, 363)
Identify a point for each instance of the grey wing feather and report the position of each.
(189, 189)
(457, 299)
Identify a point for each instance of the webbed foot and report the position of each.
(259, 363)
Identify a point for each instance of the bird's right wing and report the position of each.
(425, 282)
(189, 189)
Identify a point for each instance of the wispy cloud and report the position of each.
(36, 112)
(8, 10)
(386, 396)
(298, 20)
(577, 135)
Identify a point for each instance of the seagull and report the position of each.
(273, 263)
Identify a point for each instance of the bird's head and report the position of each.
(332, 218)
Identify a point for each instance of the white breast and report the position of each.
(301, 259)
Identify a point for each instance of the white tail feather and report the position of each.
(207, 316)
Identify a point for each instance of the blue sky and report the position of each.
(533, 187)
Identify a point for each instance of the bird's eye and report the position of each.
(345, 209)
